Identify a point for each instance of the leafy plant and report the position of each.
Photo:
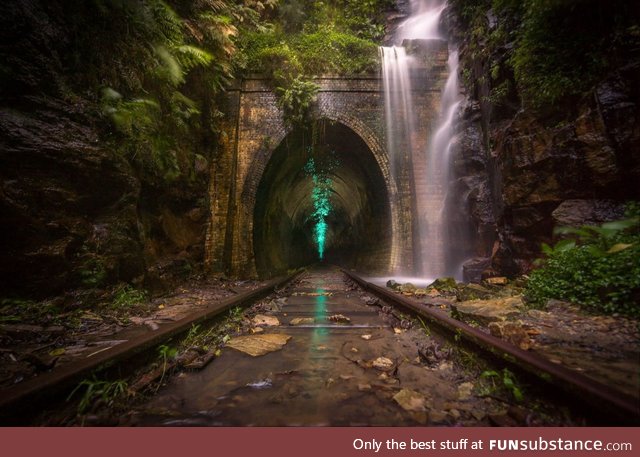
(309, 39)
(555, 50)
(507, 380)
(297, 99)
(166, 353)
(126, 296)
(107, 391)
(425, 327)
(598, 267)
(27, 311)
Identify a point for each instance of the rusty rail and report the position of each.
(30, 394)
(600, 397)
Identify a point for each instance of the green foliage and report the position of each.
(508, 381)
(597, 268)
(109, 392)
(93, 272)
(296, 99)
(556, 50)
(329, 50)
(126, 296)
(310, 39)
(26, 311)
(425, 327)
(157, 67)
(166, 353)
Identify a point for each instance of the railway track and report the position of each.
(334, 349)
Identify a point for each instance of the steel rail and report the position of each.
(599, 396)
(32, 393)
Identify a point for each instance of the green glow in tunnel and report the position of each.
(321, 204)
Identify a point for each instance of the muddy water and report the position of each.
(326, 373)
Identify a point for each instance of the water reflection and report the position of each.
(319, 313)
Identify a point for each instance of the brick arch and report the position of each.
(368, 136)
(376, 146)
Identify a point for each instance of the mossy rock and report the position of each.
(473, 292)
(444, 285)
(408, 288)
(392, 284)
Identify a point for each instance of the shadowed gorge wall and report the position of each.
(359, 223)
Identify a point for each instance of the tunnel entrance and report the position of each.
(358, 224)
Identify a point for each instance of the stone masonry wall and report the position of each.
(253, 130)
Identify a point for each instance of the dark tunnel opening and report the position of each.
(358, 226)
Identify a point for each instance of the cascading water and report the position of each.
(435, 229)
(398, 103)
(431, 175)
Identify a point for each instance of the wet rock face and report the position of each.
(522, 175)
(575, 213)
(74, 212)
(61, 192)
(571, 174)
(472, 167)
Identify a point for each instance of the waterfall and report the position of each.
(435, 229)
(430, 168)
(398, 103)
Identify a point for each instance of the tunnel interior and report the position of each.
(358, 224)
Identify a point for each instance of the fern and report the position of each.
(191, 56)
(169, 68)
(168, 22)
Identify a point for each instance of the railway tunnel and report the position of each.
(357, 226)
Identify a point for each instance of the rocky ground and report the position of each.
(605, 348)
(36, 337)
(327, 353)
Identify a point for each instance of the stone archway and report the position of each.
(370, 168)
(254, 130)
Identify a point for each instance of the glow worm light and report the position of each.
(321, 204)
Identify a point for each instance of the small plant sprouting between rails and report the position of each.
(504, 379)
(205, 339)
(427, 330)
(166, 353)
(108, 392)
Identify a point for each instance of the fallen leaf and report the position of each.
(161, 306)
(410, 400)
(339, 318)
(383, 364)
(498, 280)
(397, 330)
(302, 321)
(267, 321)
(257, 345)
(464, 390)
(57, 352)
(365, 337)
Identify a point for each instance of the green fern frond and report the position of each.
(191, 56)
(167, 20)
(170, 67)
